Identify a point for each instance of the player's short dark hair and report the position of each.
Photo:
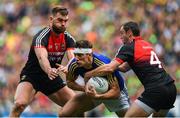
(133, 26)
(83, 44)
(59, 9)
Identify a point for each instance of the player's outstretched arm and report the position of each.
(42, 56)
(124, 67)
(64, 69)
(102, 70)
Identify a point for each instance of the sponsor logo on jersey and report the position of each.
(50, 47)
(63, 46)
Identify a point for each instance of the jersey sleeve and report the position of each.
(70, 40)
(125, 54)
(111, 79)
(41, 38)
(72, 70)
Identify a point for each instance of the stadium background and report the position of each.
(94, 20)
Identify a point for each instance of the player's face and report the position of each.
(58, 23)
(123, 35)
(82, 59)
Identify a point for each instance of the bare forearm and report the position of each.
(42, 56)
(111, 94)
(75, 86)
(124, 67)
(45, 65)
(100, 71)
(70, 55)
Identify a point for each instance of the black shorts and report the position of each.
(160, 97)
(42, 83)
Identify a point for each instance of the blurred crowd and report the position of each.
(95, 20)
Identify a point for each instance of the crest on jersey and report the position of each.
(63, 47)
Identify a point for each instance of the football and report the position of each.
(99, 83)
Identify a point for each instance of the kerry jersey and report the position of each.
(143, 60)
(74, 70)
(56, 46)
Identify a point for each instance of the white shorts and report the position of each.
(118, 104)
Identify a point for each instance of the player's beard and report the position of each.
(58, 30)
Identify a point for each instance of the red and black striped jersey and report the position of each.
(56, 46)
(143, 60)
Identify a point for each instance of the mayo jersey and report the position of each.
(143, 60)
(74, 70)
(56, 46)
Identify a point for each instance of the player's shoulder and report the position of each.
(42, 32)
(68, 35)
(73, 63)
(126, 47)
(130, 44)
(101, 58)
(144, 43)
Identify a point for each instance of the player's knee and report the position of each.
(122, 113)
(159, 114)
(62, 114)
(68, 113)
(19, 105)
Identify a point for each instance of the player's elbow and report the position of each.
(124, 67)
(116, 94)
(123, 70)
